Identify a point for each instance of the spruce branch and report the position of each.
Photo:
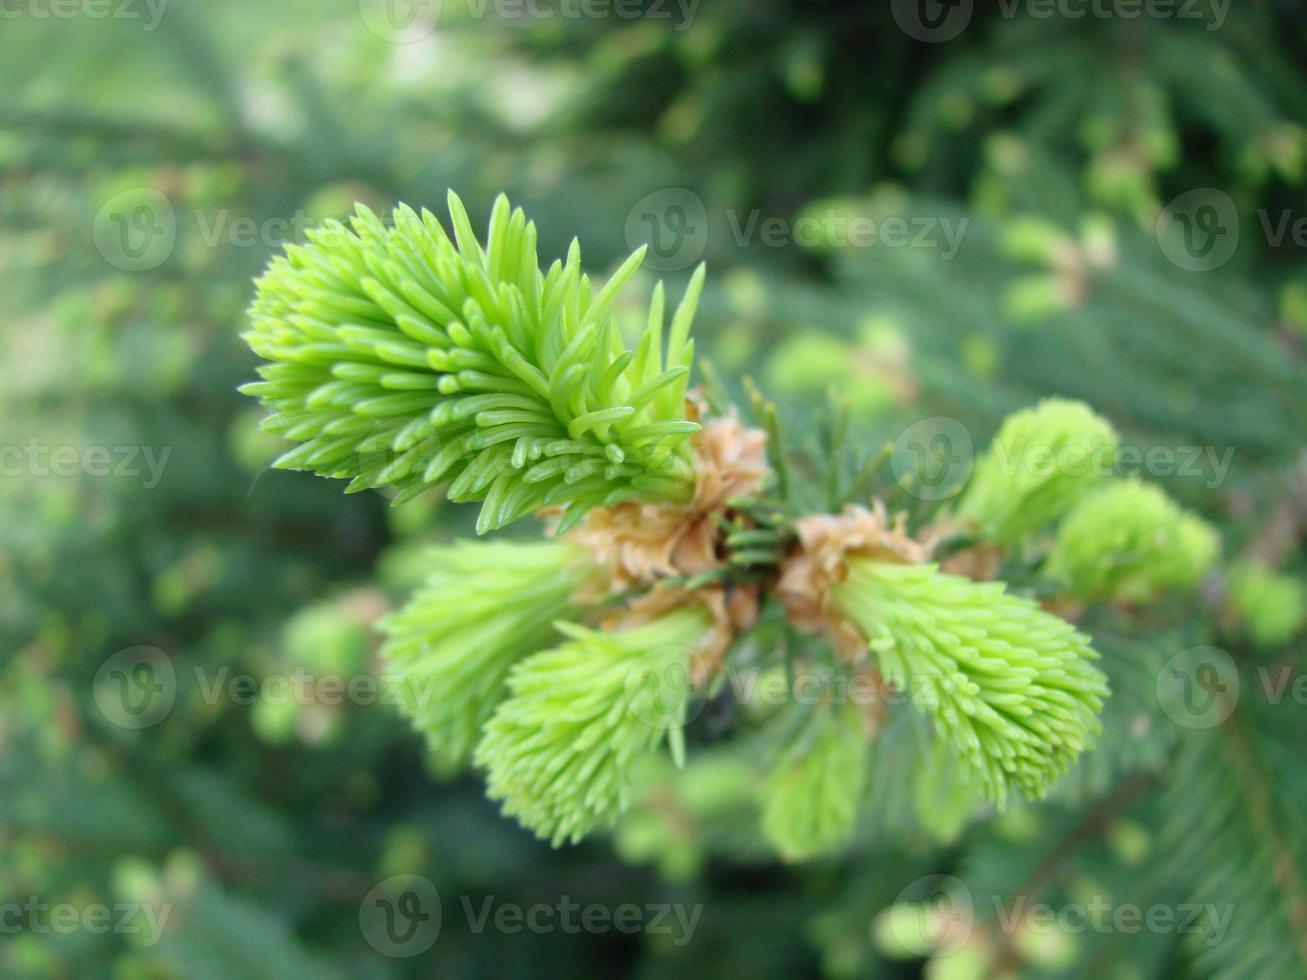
(1129, 540)
(402, 357)
(1041, 462)
(810, 800)
(1012, 688)
(484, 608)
(559, 752)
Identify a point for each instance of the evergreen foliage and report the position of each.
(560, 750)
(1129, 541)
(1051, 145)
(402, 357)
(1272, 607)
(1012, 688)
(1040, 463)
(482, 610)
(810, 799)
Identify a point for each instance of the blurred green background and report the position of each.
(941, 210)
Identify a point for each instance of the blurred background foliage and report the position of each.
(1057, 140)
